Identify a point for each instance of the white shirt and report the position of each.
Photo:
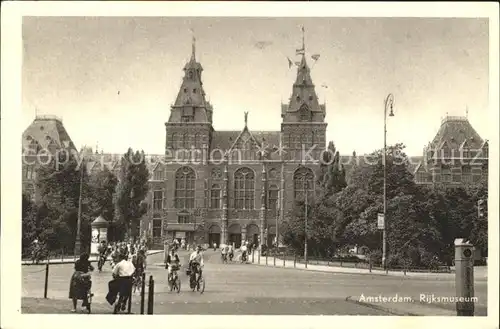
(243, 248)
(124, 268)
(197, 257)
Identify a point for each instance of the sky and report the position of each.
(112, 79)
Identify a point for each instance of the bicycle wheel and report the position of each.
(178, 284)
(201, 284)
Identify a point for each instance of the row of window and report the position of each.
(465, 153)
(186, 140)
(244, 189)
(448, 177)
(29, 172)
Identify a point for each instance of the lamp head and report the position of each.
(391, 114)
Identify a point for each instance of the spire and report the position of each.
(246, 119)
(304, 96)
(467, 111)
(193, 46)
(303, 42)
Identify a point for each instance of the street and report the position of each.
(246, 289)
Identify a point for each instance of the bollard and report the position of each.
(464, 277)
(62, 255)
(294, 260)
(266, 258)
(143, 288)
(284, 258)
(274, 261)
(46, 280)
(151, 293)
(253, 253)
(258, 257)
(370, 265)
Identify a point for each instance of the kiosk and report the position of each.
(99, 233)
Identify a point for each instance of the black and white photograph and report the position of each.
(199, 163)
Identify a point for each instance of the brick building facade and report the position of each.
(231, 186)
(457, 155)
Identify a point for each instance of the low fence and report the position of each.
(150, 296)
(291, 260)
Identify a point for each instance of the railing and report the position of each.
(290, 260)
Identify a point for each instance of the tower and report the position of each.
(303, 118)
(189, 127)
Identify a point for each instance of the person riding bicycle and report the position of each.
(80, 281)
(243, 249)
(224, 251)
(230, 251)
(172, 263)
(139, 262)
(103, 253)
(195, 264)
(121, 283)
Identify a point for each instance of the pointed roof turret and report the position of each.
(304, 96)
(191, 92)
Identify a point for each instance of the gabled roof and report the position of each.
(225, 139)
(45, 130)
(454, 131)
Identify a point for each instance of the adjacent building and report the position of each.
(457, 155)
(41, 141)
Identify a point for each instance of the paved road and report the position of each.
(243, 289)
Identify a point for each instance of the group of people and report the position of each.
(128, 261)
(195, 266)
(227, 251)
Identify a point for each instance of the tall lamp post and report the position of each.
(79, 220)
(388, 103)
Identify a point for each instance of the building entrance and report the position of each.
(236, 239)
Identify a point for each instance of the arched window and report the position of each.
(215, 193)
(185, 140)
(272, 197)
(184, 188)
(244, 188)
(303, 180)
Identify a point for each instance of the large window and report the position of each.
(158, 200)
(184, 188)
(466, 174)
(157, 228)
(159, 175)
(244, 188)
(303, 180)
(29, 172)
(185, 219)
(272, 197)
(215, 194)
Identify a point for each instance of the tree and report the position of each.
(131, 192)
(103, 185)
(29, 225)
(59, 185)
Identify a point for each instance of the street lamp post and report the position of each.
(79, 220)
(389, 102)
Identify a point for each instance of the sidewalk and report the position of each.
(71, 260)
(480, 273)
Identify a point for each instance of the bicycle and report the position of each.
(174, 281)
(198, 283)
(89, 301)
(137, 282)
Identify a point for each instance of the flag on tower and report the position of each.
(290, 63)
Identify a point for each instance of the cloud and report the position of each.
(263, 44)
